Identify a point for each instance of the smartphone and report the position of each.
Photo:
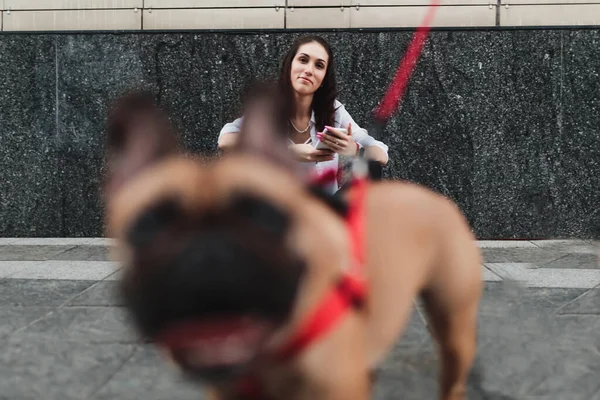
(323, 146)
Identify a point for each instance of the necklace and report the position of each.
(298, 130)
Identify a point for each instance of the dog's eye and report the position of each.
(151, 222)
(261, 213)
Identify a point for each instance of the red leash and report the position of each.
(391, 100)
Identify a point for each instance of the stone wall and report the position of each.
(505, 122)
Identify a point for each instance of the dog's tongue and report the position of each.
(217, 341)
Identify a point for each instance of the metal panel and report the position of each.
(70, 4)
(212, 3)
(448, 16)
(210, 18)
(318, 18)
(72, 20)
(419, 2)
(516, 2)
(319, 3)
(545, 15)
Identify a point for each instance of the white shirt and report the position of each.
(341, 120)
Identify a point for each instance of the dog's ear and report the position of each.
(138, 134)
(263, 131)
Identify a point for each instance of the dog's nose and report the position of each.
(152, 222)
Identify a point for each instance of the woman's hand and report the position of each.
(338, 141)
(307, 153)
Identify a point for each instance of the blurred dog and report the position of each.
(255, 283)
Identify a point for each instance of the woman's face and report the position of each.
(309, 68)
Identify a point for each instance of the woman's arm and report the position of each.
(229, 134)
(227, 141)
(376, 153)
(374, 149)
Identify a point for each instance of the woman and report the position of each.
(312, 113)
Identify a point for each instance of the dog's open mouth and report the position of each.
(218, 342)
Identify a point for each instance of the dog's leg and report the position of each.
(456, 334)
(451, 301)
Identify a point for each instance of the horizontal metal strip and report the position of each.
(71, 4)
(549, 15)
(212, 3)
(72, 20)
(248, 18)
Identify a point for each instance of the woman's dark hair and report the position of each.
(324, 97)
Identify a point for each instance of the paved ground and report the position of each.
(64, 335)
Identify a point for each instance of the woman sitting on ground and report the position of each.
(311, 112)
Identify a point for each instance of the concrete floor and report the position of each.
(64, 334)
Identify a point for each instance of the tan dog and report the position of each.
(227, 258)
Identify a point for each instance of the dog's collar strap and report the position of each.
(350, 290)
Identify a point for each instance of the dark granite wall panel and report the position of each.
(578, 139)
(92, 71)
(200, 77)
(29, 194)
(537, 169)
(506, 123)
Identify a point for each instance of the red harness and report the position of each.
(349, 292)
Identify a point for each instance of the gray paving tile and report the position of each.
(489, 275)
(101, 242)
(13, 318)
(116, 276)
(505, 244)
(536, 256)
(51, 241)
(8, 268)
(31, 253)
(522, 352)
(589, 303)
(508, 298)
(16, 292)
(512, 353)
(575, 261)
(573, 376)
(576, 332)
(52, 369)
(85, 253)
(529, 275)
(83, 324)
(63, 270)
(415, 333)
(572, 360)
(409, 374)
(569, 246)
(101, 294)
(148, 376)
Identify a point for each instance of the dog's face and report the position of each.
(215, 251)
